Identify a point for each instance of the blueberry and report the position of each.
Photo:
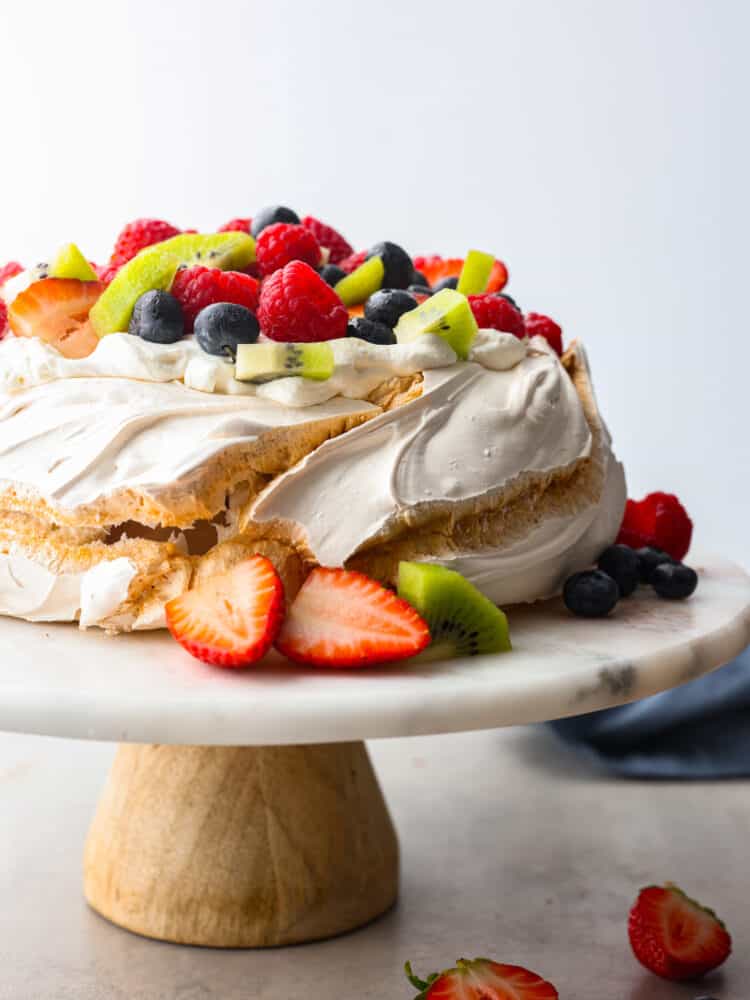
(674, 581)
(273, 213)
(648, 559)
(332, 274)
(591, 594)
(419, 290)
(220, 327)
(373, 333)
(621, 563)
(157, 317)
(445, 283)
(419, 279)
(388, 304)
(399, 269)
(509, 298)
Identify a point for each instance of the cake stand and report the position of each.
(242, 809)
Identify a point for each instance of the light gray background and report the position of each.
(600, 148)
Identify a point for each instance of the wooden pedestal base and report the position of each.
(241, 847)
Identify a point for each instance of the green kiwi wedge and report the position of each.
(155, 268)
(475, 274)
(264, 362)
(69, 262)
(362, 282)
(462, 621)
(448, 314)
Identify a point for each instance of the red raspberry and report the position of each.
(327, 236)
(198, 287)
(659, 520)
(283, 242)
(139, 234)
(9, 270)
(297, 305)
(542, 326)
(352, 262)
(495, 313)
(236, 226)
(3, 319)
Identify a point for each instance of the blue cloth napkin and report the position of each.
(699, 730)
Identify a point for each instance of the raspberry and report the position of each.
(283, 242)
(137, 235)
(297, 305)
(542, 326)
(236, 226)
(495, 313)
(9, 270)
(327, 236)
(198, 287)
(106, 272)
(352, 262)
(3, 319)
(660, 521)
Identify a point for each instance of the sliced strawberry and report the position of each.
(483, 979)
(674, 936)
(233, 619)
(56, 310)
(344, 619)
(658, 520)
(9, 270)
(435, 268)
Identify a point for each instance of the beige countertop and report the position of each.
(511, 847)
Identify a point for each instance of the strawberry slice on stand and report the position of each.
(56, 310)
(482, 979)
(232, 619)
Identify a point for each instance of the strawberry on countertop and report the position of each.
(482, 979)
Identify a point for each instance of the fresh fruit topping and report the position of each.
(233, 619)
(397, 264)
(482, 979)
(388, 305)
(328, 237)
(445, 283)
(70, 263)
(509, 298)
(675, 937)
(369, 330)
(353, 261)
(236, 226)
(542, 326)
(138, 235)
(659, 520)
(648, 559)
(271, 214)
(436, 268)
(9, 270)
(297, 305)
(621, 563)
(361, 283)
(591, 594)
(419, 292)
(475, 273)
(198, 287)
(447, 313)
(283, 242)
(4, 328)
(264, 362)
(157, 317)
(419, 279)
(495, 313)
(674, 581)
(461, 620)
(155, 267)
(332, 274)
(220, 329)
(344, 619)
(57, 310)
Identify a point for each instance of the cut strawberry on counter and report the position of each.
(659, 521)
(233, 619)
(56, 310)
(675, 937)
(482, 979)
(344, 619)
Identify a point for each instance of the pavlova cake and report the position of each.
(262, 410)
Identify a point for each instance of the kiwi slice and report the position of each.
(155, 267)
(446, 313)
(462, 621)
(362, 282)
(70, 263)
(264, 362)
(475, 274)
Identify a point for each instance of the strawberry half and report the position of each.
(435, 268)
(344, 619)
(233, 619)
(482, 979)
(674, 936)
(56, 310)
(658, 520)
